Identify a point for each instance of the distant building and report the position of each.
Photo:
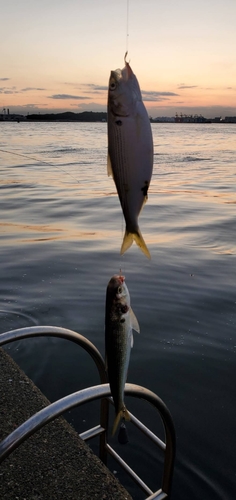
(190, 119)
(230, 119)
(217, 119)
(6, 116)
(163, 119)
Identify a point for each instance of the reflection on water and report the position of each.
(61, 230)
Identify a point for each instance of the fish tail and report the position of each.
(137, 237)
(122, 414)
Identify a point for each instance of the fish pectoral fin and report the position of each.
(109, 166)
(122, 414)
(134, 321)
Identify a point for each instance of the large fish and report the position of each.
(130, 150)
(119, 322)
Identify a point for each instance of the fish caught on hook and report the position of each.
(130, 150)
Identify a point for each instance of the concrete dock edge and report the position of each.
(54, 463)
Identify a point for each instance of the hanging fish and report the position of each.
(130, 150)
(119, 322)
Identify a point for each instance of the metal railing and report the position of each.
(102, 391)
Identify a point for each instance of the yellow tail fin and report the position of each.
(122, 414)
(137, 237)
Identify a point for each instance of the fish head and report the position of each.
(123, 91)
(117, 288)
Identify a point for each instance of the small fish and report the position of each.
(119, 322)
(130, 150)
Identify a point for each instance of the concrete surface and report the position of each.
(54, 464)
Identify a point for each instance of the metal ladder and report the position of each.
(102, 391)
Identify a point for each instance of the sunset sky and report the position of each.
(56, 55)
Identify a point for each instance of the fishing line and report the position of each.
(126, 53)
(29, 157)
(127, 26)
(122, 268)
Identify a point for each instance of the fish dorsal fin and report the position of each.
(134, 321)
(109, 167)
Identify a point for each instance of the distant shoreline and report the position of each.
(93, 116)
(68, 116)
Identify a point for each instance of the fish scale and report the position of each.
(123, 178)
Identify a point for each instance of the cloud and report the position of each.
(32, 106)
(150, 95)
(8, 90)
(154, 99)
(4, 79)
(68, 96)
(92, 106)
(91, 88)
(31, 88)
(97, 87)
(183, 86)
(12, 90)
(154, 93)
(100, 92)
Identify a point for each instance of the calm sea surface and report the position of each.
(61, 230)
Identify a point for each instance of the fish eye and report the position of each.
(119, 290)
(112, 86)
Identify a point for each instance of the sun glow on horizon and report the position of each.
(182, 55)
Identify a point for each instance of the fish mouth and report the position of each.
(120, 278)
(126, 72)
(121, 74)
(115, 77)
(119, 282)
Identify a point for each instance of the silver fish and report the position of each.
(119, 322)
(130, 150)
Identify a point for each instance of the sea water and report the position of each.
(61, 229)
